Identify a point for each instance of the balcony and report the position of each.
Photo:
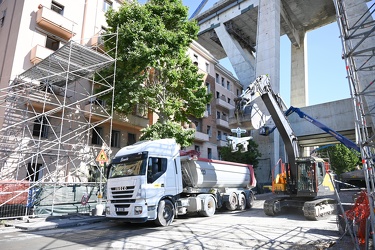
(223, 103)
(55, 23)
(97, 42)
(38, 53)
(222, 122)
(222, 143)
(99, 112)
(47, 101)
(199, 136)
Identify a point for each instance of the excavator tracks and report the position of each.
(319, 209)
(312, 210)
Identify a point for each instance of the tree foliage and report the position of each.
(249, 157)
(153, 68)
(342, 159)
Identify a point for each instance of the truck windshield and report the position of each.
(132, 165)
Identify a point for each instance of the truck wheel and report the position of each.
(241, 202)
(232, 202)
(250, 200)
(209, 206)
(165, 213)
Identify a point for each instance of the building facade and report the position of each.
(212, 129)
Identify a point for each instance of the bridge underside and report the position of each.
(297, 17)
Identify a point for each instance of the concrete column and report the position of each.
(299, 74)
(268, 62)
(268, 41)
(243, 62)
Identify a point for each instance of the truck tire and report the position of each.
(166, 213)
(241, 202)
(250, 200)
(232, 202)
(209, 206)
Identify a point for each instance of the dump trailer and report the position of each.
(155, 181)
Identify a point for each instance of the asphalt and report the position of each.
(51, 222)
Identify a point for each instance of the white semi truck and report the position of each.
(155, 181)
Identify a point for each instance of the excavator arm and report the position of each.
(261, 88)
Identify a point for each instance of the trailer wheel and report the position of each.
(209, 206)
(250, 200)
(232, 202)
(241, 202)
(166, 213)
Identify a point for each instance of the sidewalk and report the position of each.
(50, 222)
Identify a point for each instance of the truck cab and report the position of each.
(139, 177)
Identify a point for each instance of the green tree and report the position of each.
(342, 159)
(153, 67)
(249, 157)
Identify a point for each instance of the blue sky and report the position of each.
(326, 70)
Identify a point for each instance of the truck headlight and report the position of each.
(138, 210)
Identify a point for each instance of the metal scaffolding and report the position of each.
(52, 112)
(357, 30)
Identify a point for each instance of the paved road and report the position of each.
(225, 230)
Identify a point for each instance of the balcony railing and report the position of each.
(48, 101)
(199, 136)
(222, 122)
(120, 119)
(55, 23)
(223, 103)
(38, 53)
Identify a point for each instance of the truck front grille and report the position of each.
(122, 197)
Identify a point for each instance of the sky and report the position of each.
(327, 79)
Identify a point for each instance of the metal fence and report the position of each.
(20, 199)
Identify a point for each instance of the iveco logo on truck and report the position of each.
(120, 188)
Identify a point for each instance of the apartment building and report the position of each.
(53, 123)
(213, 128)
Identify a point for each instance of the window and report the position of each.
(106, 5)
(217, 78)
(40, 128)
(197, 148)
(116, 137)
(222, 81)
(58, 8)
(197, 126)
(219, 135)
(208, 109)
(52, 43)
(238, 92)
(218, 114)
(217, 94)
(208, 88)
(131, 139)
(195, 61)
(228, 85)
(33, 171)
(209, 153)
(209, 132)
(97, 135)
(229, 100)
(156, 167)
(2, 18)
(207, 67)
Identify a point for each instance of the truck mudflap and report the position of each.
(319, 209)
